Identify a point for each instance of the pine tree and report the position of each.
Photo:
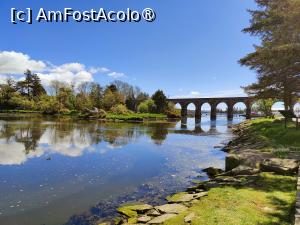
(277, 59)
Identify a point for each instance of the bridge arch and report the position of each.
(297, 108)
(222, 107)
(213, 102)
(241, 108)
(278, 105)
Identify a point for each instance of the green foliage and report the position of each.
(160, 101)
(21, 102)
(264, 106)
(87, 99)
(147, 106)
(50, 105)
(135, 116)
(96, 95)
(83, 102)
(172, 112)
(273, 131)
(112, 98)
(120, 109)
(276, 59)
(7, 91)
(31, 86)
(66, 97)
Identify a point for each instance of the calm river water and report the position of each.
(61, 171)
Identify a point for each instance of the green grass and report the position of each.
(274, 132)
(109, 116)
(135, 116)
(270, 200)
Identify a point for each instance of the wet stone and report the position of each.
(144, 219)
(171, 208)
(152, 212)
(161, 219)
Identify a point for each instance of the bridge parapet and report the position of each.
(213, 102)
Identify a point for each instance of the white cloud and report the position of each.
(69, 67)
(16, 63)
(116, 75)
(99, 70)
(195, 93)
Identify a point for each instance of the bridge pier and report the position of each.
(213, 112)
(230, 111)
(198, 112)
(184, 122)
(184, 111)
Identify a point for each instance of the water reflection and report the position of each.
(25, 140)
(52, 169)
(22, 141)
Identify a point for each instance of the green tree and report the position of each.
(96, 95)
(7, 91)
(160, 101)
(277, 59)
(66, 98)
(264, 106)
(133, 94)
(147, 106)
(31, 87)
(112, 97)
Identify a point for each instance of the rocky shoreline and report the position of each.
(247, 158)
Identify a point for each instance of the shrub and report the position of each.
(21, 102)
(172, 112)
(120, 109)
(147, 106)
(50, 105)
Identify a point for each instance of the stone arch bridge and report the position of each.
(213, 102)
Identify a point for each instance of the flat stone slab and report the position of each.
(133, 210)
(171, 208)
(243, 170)
(144, 219)
(161, 219)
(200, 195)
(153, 212)
(280, 166)
(181, 197)
(189, 217)
(212, 172)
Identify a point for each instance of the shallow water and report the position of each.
(61, 171)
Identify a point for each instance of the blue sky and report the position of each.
(191, 49)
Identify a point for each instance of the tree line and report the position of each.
(118, 97)
(276, 59)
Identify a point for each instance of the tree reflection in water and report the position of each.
(64, 133)
(135, 171)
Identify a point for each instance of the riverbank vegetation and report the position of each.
(269, 199)
(119, 100)
(274, 133)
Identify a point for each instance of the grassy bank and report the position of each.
(268, 200)
(135, 116)
(273, 132)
